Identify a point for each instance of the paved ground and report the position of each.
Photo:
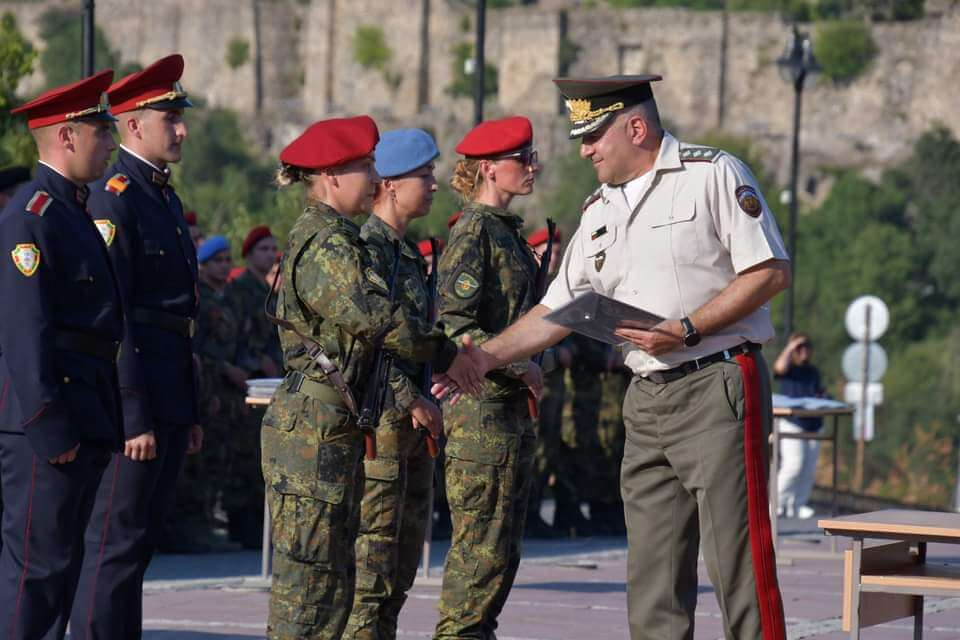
(567, 590)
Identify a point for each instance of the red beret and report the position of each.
(494, 137)
(191, 218)
(83, 99)
(452, 220)
(426, 249)
(156, 87)
(330, 143)
(256, 235)
(540, 236)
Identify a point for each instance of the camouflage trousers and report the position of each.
(489, 469)
(311, 455)
(396, 505)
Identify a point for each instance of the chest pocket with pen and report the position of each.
(676, 228)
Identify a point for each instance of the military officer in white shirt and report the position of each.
(681, 231)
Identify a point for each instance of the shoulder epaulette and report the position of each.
(39, 202)
(593, 197)
(699, 154)
(117, 184)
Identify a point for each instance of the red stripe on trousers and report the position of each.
(26, 549)
(103, 541)
(772, 624)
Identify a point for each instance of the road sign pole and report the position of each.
(862, 432)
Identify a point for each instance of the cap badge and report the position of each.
(581, 109)
(26, 257)
(104, 105)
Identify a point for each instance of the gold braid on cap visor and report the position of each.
(174, 94)
(104, 105)
(580, 110)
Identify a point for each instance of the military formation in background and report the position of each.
(125, 361)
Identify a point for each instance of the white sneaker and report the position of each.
(805, 513)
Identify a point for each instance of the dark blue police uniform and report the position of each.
(60, 330)
(141, 220)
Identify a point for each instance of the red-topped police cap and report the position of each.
(156, 87)
(253, 237)
(83, 100)
(426, 247)
(540, 236)
(330, 143)
(495, 137)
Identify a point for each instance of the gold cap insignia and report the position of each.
(581, 110)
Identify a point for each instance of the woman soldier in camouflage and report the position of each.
(487, 278)
(332, 309)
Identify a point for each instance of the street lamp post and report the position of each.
(796, 65)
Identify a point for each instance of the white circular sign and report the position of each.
(856, 318)
(853, 362)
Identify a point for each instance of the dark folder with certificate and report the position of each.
(598, 316)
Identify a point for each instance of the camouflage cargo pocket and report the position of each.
(474, 476)
(312, 529)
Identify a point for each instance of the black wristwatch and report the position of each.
(691, 337)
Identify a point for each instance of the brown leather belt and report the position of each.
(669, 375)
(184, 325)
(106, 350)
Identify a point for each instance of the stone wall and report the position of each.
(308, 69)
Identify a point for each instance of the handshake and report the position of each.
(466, 374)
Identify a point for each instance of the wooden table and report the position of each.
(776, 437)
(889, 581)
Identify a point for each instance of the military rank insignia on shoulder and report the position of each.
(26, 257)
(107, 230)
(38, 204)
(117, 184)
(699, 154)
(593, 197)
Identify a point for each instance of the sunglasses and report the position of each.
(526, 157)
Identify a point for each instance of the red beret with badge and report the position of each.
(496, 137)
(426, 247)
(540, 236)
(156, 87)
(331, 143)
(253, 237)
(83, 100)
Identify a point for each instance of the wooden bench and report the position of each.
(889, 581)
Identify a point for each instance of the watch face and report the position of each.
(691, 339)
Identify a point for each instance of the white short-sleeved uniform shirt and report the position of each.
(697, 220)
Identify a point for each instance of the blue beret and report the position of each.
(211, 247)
(402, 150)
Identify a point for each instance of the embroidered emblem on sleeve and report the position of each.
(376, 279)
(748, 200)
(466, 286)
(107, 230)
(117, 184)
(39, 202)
(26, 257)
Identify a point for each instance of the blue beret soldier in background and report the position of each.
(397, 500)
(333, 308)
(487, 281)
(141, 221)
(60, 330)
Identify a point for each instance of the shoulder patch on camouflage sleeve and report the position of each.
(699, 154)
(117, 184)
(39, 202)
(593, 197)
(107, 230)
(465, 286)
(376, 279)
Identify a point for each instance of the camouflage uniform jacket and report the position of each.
(258, 337)
(217, 335)
(412, 296)
(487, 275)
(332, 293)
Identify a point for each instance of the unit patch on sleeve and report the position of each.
(107, 230)
(748, 200)
(376, 279)
(39, 202)
(465, 286)
(26, 257)
(117, 184)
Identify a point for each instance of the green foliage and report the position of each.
(462, 85)
(62, 59)
(370, 48)
(238, 53)
(844, 49)
(16, 62)
(572, 180)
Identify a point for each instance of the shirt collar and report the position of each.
(151, 172)
(142, 159)
(668, 159)
(62, 187)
